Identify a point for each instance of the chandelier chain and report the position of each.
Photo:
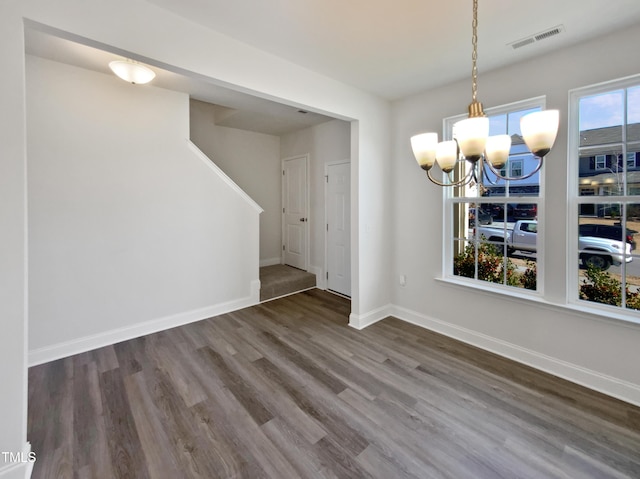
(474, 55)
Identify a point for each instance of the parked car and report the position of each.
(496, 210)
(527, 211)
(607, 231)
(594, 251)
(484, 217)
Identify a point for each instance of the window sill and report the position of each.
(595, 312)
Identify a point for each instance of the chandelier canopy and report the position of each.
(473, 144)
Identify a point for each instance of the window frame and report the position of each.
(449, 199)
(575, 199)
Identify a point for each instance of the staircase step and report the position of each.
(281, 280)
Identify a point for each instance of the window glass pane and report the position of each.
(463, 266)
(599, 248)
(601, 118)
(498, 124)
(514, 122)
(601, 171)
(633, 172)
(609, 270)
(633, 114)
(632, 268)
(493, 251)
(521, 161)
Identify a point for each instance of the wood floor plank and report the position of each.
(287, 389)
(297, 450)
(180, 426)
(158, 452)
(125, 450)
(318, 405)
(243, 393)
(90, 436)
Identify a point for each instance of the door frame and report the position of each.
(325, 278)
(308, 216)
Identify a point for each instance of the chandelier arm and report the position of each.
(515, 178)
(461, 182)
(483, 173)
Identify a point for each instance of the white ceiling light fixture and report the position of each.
(132, 72)
(473, 144)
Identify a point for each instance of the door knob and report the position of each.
(303, 219)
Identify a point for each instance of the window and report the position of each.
(605, 202)
(515, 168)
(481, 245)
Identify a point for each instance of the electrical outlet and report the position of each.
(403, 280)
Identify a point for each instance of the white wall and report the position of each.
(158, 37)
(252, 160)
(325, 143)
(596, 351)
(13, 291)
(127, 225)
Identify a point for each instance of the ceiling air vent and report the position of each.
(551, 32)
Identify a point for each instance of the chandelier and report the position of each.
(472, 143)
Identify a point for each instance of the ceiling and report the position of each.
(401, 47)
(392, 49)
(231, 108)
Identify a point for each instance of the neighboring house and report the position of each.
(520, 162)
(604, 169)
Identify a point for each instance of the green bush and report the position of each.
(529, 278)
(601, 287)
(492, 266)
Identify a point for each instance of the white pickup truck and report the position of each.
(598, 252)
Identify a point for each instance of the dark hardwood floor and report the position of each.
(286, 389)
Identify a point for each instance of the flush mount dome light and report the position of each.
(132, 72)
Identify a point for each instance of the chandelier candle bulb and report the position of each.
(497, 150)
(424, 149)
(472, 134)
(446, 155)
(539, 131)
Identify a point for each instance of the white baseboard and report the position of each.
(254, 292)
(321, 280)
(608, 385)
(270, 261)
(361, 321)
(88, 343)
(18, 470)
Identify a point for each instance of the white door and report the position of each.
(294, 212)
(338, 207)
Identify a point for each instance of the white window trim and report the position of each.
(447, 199)
(603, 158)
(574, 200)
